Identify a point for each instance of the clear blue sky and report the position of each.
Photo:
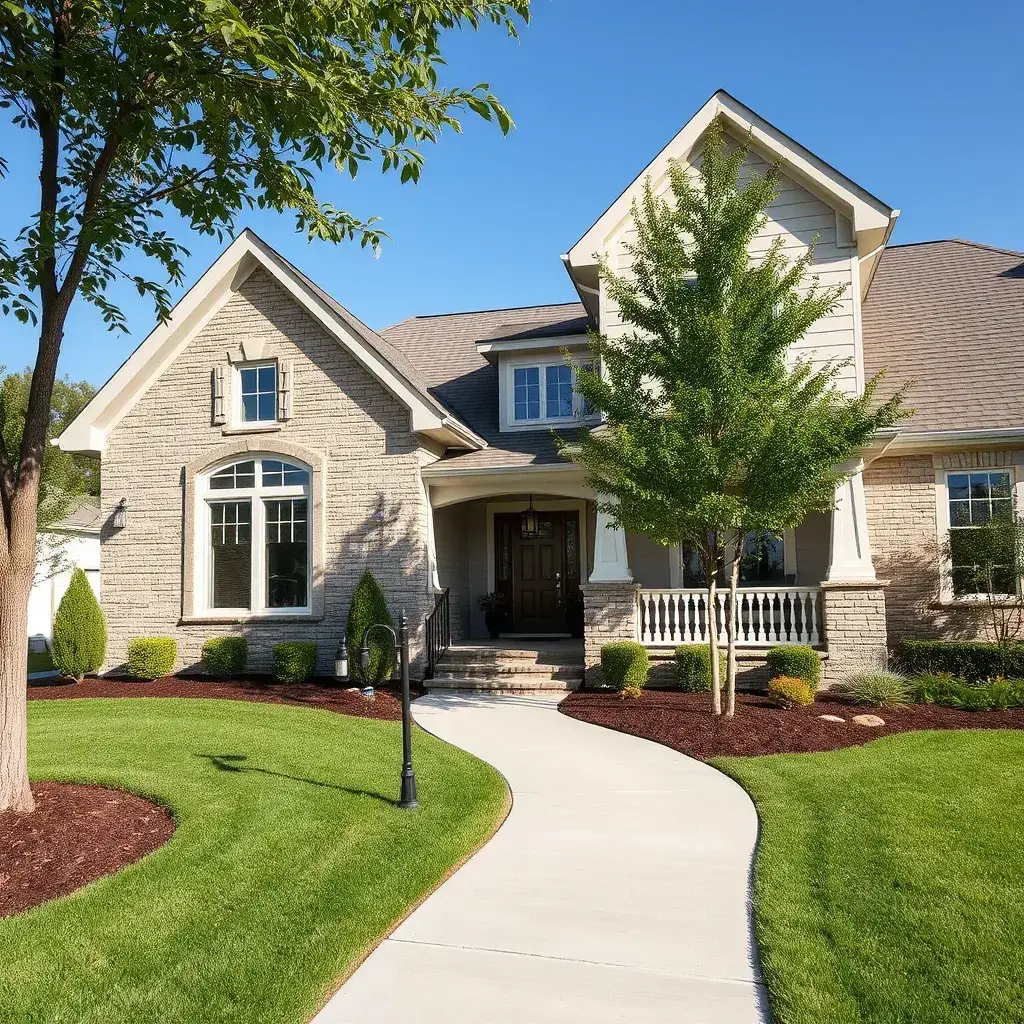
(918, 102)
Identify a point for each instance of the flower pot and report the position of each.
(492, 620)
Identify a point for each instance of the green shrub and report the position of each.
(631, 690)
(294, 662)
(151, 657)
(877, 689)
(950, 692)
(369, 608)
(226, 655)
(937, 688)
(693, 667)
(972, 660)
(624, 664)
(798, 661)
(789, 692)
(79, 631)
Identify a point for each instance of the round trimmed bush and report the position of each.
(370, 608)
(295, 661)
(798, 661)
(877, 689)
(693, 667)
(624, 664)
(79, 630)
(151, 657)
(789, 692)
(226, 655)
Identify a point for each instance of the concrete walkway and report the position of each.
(617, 890)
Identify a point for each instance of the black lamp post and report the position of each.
(399, 642)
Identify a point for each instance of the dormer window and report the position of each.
(541, 391)
(257, 393)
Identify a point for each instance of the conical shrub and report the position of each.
(368, 608)
(79, 630)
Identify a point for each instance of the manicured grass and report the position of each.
(39, 661)
(290, 859)
(890, 879)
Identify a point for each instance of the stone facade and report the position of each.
(373, 511)
(855, 631)
(609, 614)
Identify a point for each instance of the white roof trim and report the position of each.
(247, 253)
(867, 213)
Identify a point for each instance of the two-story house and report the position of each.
(265, 446)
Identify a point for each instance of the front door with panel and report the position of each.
(532, 570)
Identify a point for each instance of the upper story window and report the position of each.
(978, 565)
(542, 392)
(255, 554)
(257, 393)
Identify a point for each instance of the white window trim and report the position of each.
(946, 595)
(508, 393)
(237, 423)
(205, 496)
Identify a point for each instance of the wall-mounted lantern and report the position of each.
(528, 523)
(121, 514)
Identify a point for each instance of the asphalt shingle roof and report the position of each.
(949, 316)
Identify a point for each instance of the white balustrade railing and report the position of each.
(764, 616)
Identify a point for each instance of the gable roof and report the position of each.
(87, 432)
(949, 316)
(84, 516)
(444, 350)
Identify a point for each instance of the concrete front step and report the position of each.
(505, 684)
(491, 655)
(473, 668)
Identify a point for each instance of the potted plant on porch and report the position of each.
(493, 605)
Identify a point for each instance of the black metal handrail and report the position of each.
(438, 632)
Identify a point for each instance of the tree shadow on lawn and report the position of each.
(234, 763)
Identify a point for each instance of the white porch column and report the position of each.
(433, 580)
(610, 563)
(850, 552)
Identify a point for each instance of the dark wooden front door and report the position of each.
(531, 571)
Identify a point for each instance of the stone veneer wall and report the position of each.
(373, 517)
(855, 629)
(609, 614)
(901, 508)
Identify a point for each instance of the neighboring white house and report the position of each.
(73, 542)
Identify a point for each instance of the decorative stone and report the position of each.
(832, 718)
(871, 721)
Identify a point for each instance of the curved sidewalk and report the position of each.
(617, 890)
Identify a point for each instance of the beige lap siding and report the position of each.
(373, 512)
(901, 508)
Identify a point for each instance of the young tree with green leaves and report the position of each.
(710, 430)
(203, 109)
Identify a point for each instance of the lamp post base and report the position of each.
(408, 799)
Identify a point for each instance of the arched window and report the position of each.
(253, 537)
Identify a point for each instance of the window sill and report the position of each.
(519, 426)
(256, 428)
(230, 620)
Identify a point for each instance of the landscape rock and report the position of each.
(832, 718)
(872, 721)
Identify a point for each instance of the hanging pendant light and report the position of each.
(528, 521)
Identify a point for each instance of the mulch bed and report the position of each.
(684, 722)
(75, 835)
(317, 693)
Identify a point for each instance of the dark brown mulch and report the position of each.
(684, 722)
(317, 693)
(75, 835)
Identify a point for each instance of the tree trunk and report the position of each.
(15, 586)
(711, 571)
(730, 673)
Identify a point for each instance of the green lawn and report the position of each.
(890, 880)
(290, 859)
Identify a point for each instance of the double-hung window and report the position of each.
(982, 557)
(257, 393)
(543, 393)
(255, 558)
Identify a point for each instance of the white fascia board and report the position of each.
(908, 441)
(532, 344)
(866, 211)
(87, 432)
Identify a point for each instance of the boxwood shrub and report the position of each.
(226, 655)
(624, 664)
(151, 657)
(972, 660)
(295, 661)
(693, 667)
(79, 630)
(798, 661)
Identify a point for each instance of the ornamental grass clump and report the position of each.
(151, 657)
(877, 689)
(798, 661)
(624, 666)
(294, 662)
(693, 667)
(226, 655)
(790, 692)
(79, 630)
